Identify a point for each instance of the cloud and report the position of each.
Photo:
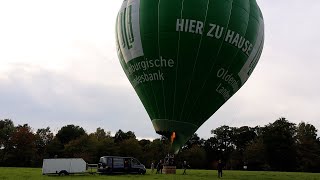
(43, 98)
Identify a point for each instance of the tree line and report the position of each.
(278, 146)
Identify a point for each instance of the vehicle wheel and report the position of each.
(142, 172)
(63, 173)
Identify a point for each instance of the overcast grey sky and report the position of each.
(58, 66)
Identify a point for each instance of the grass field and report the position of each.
(35, 174)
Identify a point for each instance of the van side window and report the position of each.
(135, 162)
(118, 162)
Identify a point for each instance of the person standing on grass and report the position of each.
(185, 166)
(220, 167)
(152, 167)
(159, 167)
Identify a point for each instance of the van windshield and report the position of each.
(103, 160)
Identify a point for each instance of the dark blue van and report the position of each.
(117, 164)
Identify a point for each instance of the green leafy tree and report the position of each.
(55, 148)
(6, 131)
(144, 143)
(42, 138)
(224, 136)
(107, 147)
(69, 132)
(195, 140)
(130, 147)
(279, 140)
(255, 156)
(213, 152)
(308, 148)
(121, 136)
(243, 136)
(195, 156)
(104, 143)
(146, 158)
(85, 147)
(159, 148)
(100, 133)
(306, 132)
(240, 138)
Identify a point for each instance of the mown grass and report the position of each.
(35, 174)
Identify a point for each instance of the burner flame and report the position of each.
(173, 136)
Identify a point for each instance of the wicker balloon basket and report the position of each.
(169, 170)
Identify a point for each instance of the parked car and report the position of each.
(117, 164)
(64, 166)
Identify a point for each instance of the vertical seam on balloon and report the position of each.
(259, 52)
(245, 35)
(164, 97)
(155, 98)
(235, 55)
(259, 48)
(178, 52)
(142, 84)
(222, 42)
(197, 56)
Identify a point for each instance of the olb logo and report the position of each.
(127, 37)
(128, 31)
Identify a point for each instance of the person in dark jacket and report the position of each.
(185, 166)
(220, 167)
(159, 167)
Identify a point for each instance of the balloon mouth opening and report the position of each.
(176, 132)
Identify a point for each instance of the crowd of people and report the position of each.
(158, 167)
(169, 160)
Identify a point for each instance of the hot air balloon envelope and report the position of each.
(186, 58)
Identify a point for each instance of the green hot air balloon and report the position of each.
(186, 58)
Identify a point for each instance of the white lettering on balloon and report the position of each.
(143, 71)
(215, 31)
(227, 79)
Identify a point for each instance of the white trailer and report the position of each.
(64, 166)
